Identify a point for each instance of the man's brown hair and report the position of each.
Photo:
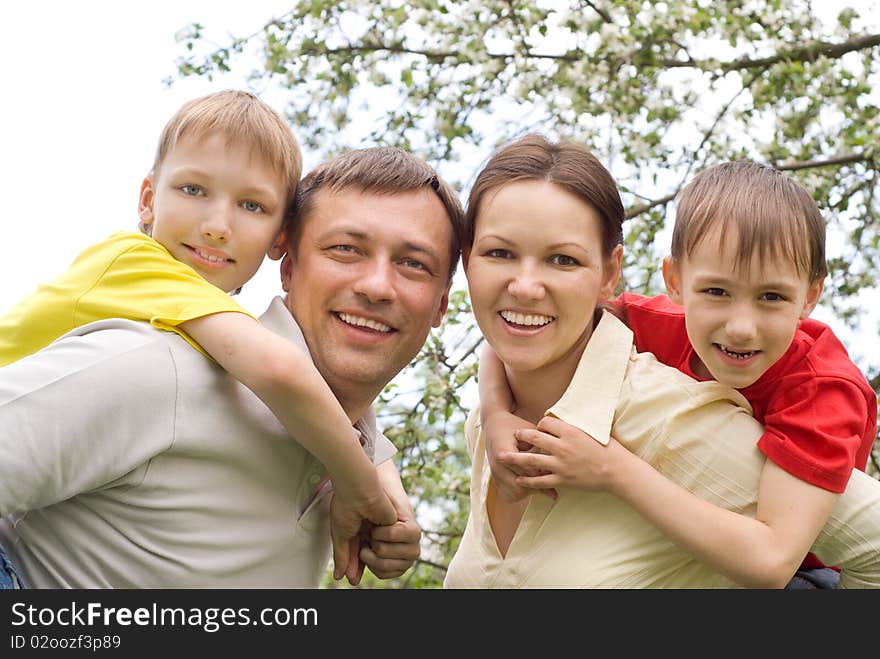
(375, 170)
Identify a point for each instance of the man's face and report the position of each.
(366, 282)
(740, 319)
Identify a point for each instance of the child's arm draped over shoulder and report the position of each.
(763, 552)
(499, 423)
(281, 375)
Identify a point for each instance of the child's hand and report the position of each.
(352, 517)
(498, 431)
(564, 456)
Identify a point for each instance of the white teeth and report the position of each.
(531, 320)
(736, 355)
(357, 321)
(210, 257)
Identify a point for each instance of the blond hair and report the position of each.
(242, 118)
(770, 214)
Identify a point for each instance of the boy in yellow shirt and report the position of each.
(226, 168)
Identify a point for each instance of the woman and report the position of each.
(543, 252)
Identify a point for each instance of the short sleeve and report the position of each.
(128, 276)
(813, 430)
(144, 282)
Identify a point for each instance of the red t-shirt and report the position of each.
(818, 410)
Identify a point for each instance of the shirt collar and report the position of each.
(590, 400)
(279, 319)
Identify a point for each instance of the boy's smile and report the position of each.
(216, 206)
(740, 317)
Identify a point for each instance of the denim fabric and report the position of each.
(821, 578)
(9, 579)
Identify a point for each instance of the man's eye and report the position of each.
(343, 248)
(252, 207)
(191, 190)
(415, 265)
(563, 260)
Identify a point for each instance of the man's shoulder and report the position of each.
(118, 344)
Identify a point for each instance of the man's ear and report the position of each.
(286, 272)
(612, 273)
(278, 247)
(441, 309)
(145, 206)
(672, 278)
(814, 292)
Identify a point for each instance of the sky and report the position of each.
(85, 102)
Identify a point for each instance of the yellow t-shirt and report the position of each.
(129, 275)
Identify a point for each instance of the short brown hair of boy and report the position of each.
(243, 119)
(571, 166)
(375, 170)
(771, 214)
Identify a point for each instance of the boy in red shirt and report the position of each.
(746, 269)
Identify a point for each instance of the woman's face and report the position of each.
(536, 271)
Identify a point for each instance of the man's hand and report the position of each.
(351, 519)
(390, 550)
(393, 549)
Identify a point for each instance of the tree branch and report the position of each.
(644, 208)
(844, 159)
(808, 53)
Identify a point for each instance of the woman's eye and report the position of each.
(498, 254)
(563, 260)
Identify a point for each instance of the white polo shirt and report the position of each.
(129, 460)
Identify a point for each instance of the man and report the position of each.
(130, 460)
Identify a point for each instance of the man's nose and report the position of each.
(376, 281)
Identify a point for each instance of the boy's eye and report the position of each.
(563, 260)
(191, 190)
(773, 297)
(714, 291)
(252, 206)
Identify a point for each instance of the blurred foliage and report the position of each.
(659, 90)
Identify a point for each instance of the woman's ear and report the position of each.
(612, 273)
(278, 248)
(145, 207)
(672, 279)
